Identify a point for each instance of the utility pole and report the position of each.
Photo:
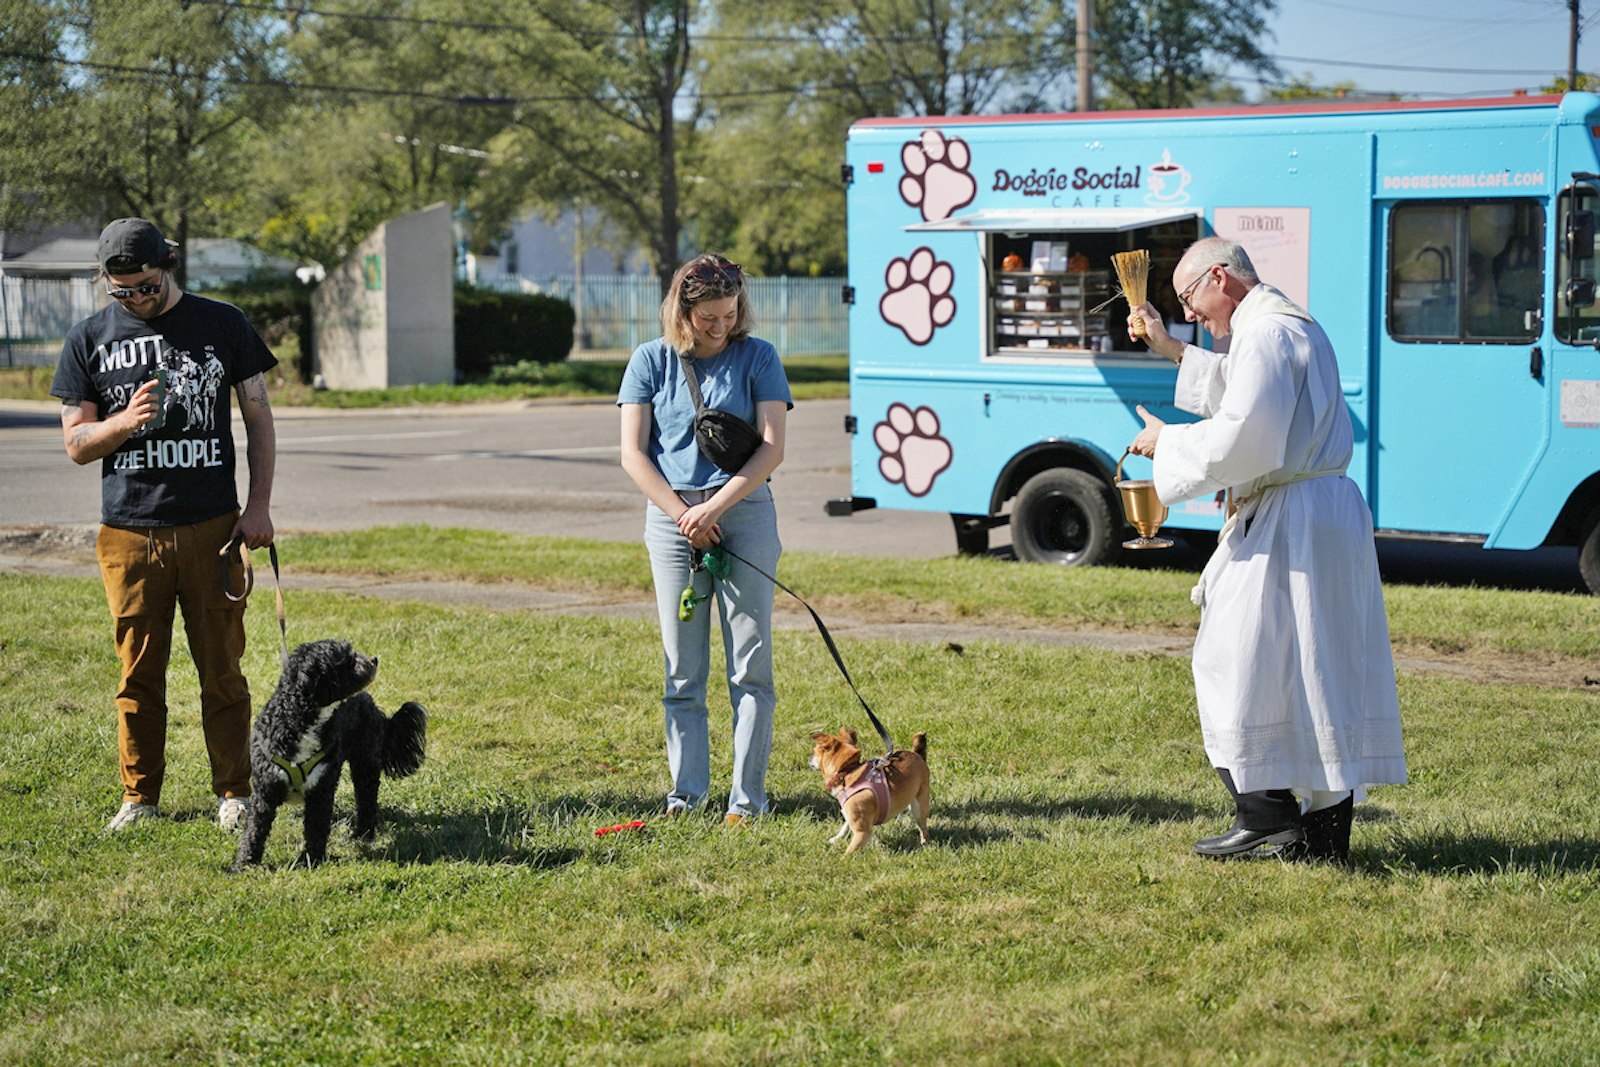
(1086, 54)
(1572, 47)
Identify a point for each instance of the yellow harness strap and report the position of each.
(297, 772)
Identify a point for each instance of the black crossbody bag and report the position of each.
(724, 438)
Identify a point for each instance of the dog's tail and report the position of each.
(919, 745)
(405, 738)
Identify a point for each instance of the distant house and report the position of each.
(213, 261)
(540, 249)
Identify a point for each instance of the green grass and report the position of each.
(1057, 918)
(810, 378)
(1546, 627)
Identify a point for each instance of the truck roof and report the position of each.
(1236, 111)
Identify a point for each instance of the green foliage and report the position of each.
(1174, 53)
(164, 101)
(495, 328)
(279, 308)
(1057, 916)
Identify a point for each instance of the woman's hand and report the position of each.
(699, 525)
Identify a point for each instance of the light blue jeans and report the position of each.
(744, 606)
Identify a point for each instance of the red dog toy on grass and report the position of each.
(634, 825)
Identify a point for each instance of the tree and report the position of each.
(1173, 53)
(161, 101)
(390, 110)
(785, 79)
(601, 117)
(37, 182)
(897, 57)
(1302, 89)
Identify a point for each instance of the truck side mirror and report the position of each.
(1580, 293)
(1580, 234)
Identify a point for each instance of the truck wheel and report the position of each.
(972, 534)
(1064, 516)
(1589, 555)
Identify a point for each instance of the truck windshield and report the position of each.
(1466, 270)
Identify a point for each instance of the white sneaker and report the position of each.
(130, 813)
(230, 813)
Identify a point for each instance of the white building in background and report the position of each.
(541, 248)
(213, 261)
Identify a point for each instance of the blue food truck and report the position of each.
(1449, 250)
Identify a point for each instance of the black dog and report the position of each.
(318, 720)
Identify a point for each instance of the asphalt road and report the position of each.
(535, 468)
(543, 468)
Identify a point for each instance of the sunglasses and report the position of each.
(148, 289)
(731, 273)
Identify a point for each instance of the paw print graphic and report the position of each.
(913, 452)
(919, 297)
(936, 179)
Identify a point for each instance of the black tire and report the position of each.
(1589, 555)
(972, 534)
(1064, 516)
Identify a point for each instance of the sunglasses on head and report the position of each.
(717, 272)
(147, 289)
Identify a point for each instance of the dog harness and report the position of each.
(298, 772)
(873, 779)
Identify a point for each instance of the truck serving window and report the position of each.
(1577, 320)
(1466, 270)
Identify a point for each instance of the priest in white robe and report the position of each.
(1293, 672)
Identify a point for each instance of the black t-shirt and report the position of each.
(184, 472)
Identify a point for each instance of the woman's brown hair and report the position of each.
(705, 277)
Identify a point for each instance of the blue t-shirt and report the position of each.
(744, 374)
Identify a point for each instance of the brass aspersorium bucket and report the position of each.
(1144, 509)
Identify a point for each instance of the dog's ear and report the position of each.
(849, 734)
(819, 738)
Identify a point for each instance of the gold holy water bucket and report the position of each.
(1144, 510)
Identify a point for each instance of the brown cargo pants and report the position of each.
(150, 573)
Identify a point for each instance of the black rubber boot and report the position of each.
(1327, 834)
(1262, 819)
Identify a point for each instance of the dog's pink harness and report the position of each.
(875, 780)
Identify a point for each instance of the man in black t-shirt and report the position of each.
(144, 387)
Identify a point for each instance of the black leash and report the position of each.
(827, 639)
(237, 545)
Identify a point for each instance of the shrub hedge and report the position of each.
(492, 329)
(278, 308)
(496, 329)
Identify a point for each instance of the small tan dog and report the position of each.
(874, 791)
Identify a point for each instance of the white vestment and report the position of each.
(1292, 666)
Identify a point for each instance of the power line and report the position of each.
(1413, 69)
(470, 100)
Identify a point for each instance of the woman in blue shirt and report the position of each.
(694, 504)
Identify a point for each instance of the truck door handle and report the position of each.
(1536, 364)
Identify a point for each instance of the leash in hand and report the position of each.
(236, 546)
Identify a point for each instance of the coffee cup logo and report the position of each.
(1168, 181)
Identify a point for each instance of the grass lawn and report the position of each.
(1058, 916)
(810, 378)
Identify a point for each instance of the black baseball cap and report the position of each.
(129, 246)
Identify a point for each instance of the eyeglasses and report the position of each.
(1183, 297)
(148, 289)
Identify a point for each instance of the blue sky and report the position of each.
(1469, 47)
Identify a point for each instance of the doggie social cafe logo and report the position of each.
(1164, 182)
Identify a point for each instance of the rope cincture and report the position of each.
(236, 544)
(827, 639)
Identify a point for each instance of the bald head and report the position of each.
(1216, 250)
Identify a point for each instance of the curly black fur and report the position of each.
(319, 706)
